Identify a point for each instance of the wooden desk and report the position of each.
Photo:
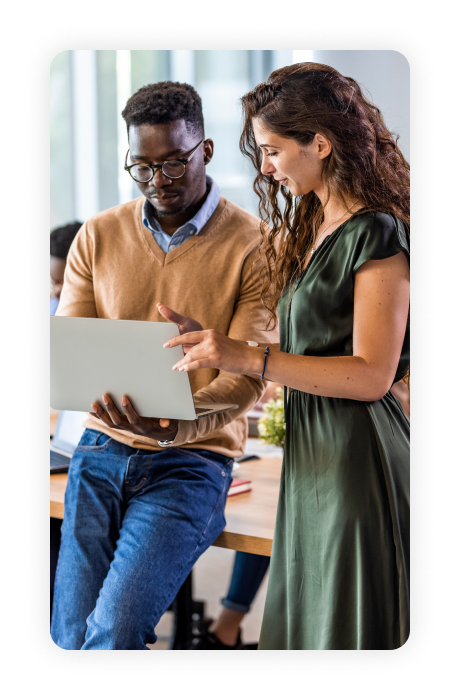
(54, 415)
(250, 516)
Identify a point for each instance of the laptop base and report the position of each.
(59, 464)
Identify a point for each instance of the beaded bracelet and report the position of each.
(267, 350)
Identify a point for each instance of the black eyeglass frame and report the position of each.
(152, 167)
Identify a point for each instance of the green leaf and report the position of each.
(271, 425)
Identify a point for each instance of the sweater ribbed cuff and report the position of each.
(187, 432)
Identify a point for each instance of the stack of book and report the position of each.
(239, 486)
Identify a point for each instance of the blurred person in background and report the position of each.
(247, 575)
(60, 241)
(401, 390)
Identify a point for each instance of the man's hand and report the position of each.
(186, 324)
(155, 428)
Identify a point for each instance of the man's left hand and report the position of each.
(185, 323)
(155, 428)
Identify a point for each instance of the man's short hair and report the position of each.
(163, 103)
(61, 239)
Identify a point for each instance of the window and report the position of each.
(90, 88)
(88, 135)
(61, 141)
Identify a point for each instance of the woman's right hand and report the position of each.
(186, 324)
(213, 349)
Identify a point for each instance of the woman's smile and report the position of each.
(281, 155)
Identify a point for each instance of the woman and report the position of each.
(337, 267)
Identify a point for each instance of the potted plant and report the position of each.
(271, 425)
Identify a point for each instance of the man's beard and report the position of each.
(162, 214)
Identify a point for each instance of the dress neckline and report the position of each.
(335, 231)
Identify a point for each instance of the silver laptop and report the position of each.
(69, 430)
(94, 356)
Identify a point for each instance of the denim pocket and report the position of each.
(221, 467)
(94, 441)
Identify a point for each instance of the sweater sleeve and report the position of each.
(77, 296)
(249, 322)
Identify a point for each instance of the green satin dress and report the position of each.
(339, 573)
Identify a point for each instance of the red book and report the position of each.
(239, 486)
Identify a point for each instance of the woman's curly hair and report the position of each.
(365, 163)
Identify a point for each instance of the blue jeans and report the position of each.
(135, 523)
(248, 572)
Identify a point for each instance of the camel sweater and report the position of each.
(115, 269)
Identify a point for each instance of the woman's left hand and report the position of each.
(213, 349)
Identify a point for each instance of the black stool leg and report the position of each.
(183, 609)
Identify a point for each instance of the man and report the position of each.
(146, 497)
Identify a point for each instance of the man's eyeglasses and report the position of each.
(173, 169)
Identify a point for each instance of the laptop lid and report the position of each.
(69, 430)
(93, 356)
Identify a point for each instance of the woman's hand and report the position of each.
(155, 428)
(186, 324)
(213, 349)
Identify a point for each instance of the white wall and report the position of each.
(386, 75)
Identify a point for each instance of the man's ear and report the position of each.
(208, 150)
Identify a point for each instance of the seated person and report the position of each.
(402, 392)
(60, 241)
(247, 575)
(146, 496)
(225, 632)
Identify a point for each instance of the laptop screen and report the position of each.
(69, 430)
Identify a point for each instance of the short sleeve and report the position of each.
(379, 236)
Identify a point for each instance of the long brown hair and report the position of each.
(365, 164)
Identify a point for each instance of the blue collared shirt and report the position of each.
(191, 228)
(54, 303)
